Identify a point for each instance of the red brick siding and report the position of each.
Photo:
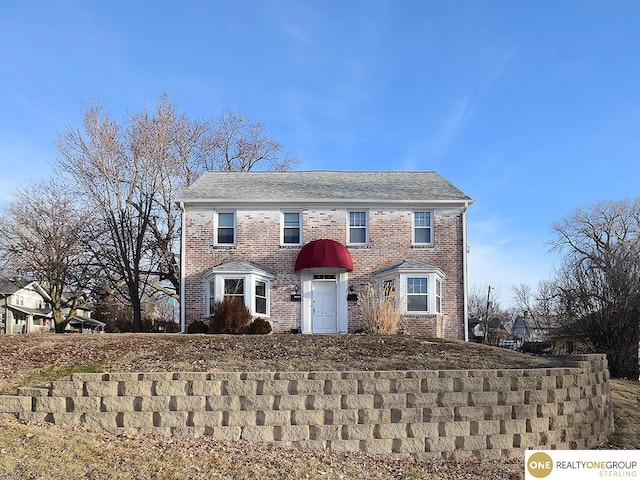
(390, 231)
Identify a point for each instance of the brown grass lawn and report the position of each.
(44, 451)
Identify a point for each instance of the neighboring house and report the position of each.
(530, 329)
(570, 338)
(26, 309)
(496, 331)
(298, 246)
(83, 323)
(520, 328)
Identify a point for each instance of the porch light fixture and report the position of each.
(352, 296)
(295, 296)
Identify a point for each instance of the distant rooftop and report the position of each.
(322, 185)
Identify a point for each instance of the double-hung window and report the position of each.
(234, 288)
(422, 228)
(291, 228)
(226, 228)
(261, 297)
(212, 297)
(417, 294)
(358, 228)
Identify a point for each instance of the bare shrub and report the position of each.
(229, 316)
(379, 310)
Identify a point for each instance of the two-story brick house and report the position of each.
(298, 247)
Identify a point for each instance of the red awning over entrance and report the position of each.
(324, 253)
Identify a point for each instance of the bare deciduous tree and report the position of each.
(44, 236)
(600, 278)
(132, 173)
(484, 306)
(240, 145)
(544, 305)
(118, 172)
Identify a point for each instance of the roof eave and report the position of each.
(330, 201)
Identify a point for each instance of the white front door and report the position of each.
(324, 306)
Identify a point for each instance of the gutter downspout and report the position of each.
(465, 266)
(183, 326)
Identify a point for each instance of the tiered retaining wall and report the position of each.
(427, 414)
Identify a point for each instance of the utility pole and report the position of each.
(486, 316)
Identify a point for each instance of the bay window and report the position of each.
(419, 286)
(242, 280)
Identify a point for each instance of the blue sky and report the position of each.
(530, 107)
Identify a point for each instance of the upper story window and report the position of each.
(291, 228)
(422, 228)
(358, 228)
(226, 228)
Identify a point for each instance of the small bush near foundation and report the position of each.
(379, 311)
(197, 327)
(229, 316)
(259, 326)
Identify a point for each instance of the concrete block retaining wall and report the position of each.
(427, 414)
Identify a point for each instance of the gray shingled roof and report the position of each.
(410, 264)
(7, 287)
(238, 265)
(319, 185)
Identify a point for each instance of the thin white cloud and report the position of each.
(31, 107)
(459, 114)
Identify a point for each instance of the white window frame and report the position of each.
(283, 227)
(350, 227)
(414, 227)
(211, 296)
(225, 294)
(256, 297)
(421, 294)
(217, 228)
(215, 290)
